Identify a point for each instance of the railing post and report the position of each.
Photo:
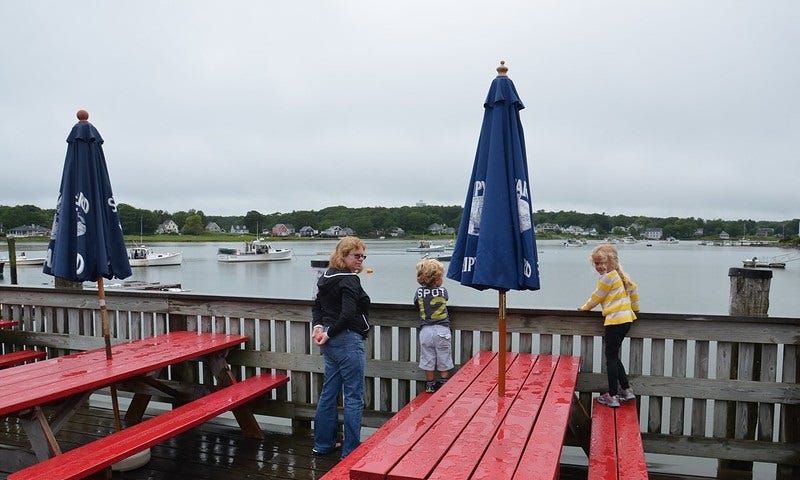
(749, 296)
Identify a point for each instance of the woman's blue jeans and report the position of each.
(344, 372)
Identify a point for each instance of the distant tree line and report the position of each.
(375, 221)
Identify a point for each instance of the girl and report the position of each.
(619, 298)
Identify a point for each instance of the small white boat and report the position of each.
(629, 239)
(671, 241)
(574, 242)
(141, 256)
(426, 247)
(256, 251)
(442, 257)
(25, 261)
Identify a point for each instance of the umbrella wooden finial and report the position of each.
(83, 115)
(502, 69)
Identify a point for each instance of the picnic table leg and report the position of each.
(580, 424)
(43, 441)
(244, 415)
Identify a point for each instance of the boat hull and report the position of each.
(26, 261)
(255, 257)
(157, 260)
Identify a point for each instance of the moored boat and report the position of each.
(256, 251)
(574, 242)
(425, 246)
(141, 256)
(25, 261)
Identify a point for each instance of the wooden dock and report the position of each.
(708, 386)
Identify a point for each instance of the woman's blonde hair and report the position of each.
(343, 249)
(429, 270)
(607, 253)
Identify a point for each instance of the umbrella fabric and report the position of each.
(86, 240)
(496, 244)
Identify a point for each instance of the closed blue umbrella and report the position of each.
(86, 242)
(496, 244)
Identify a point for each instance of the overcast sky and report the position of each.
(660, 108)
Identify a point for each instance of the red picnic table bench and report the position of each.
(467, 431)
(68, 381)
(616, 451)
(18, 357)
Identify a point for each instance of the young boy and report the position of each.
(435, 352)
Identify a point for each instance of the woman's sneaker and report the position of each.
(609, 400)
(626, 394)
(430, 387)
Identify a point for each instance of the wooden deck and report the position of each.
(214, 450)
(697, 378)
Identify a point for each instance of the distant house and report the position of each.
(435, 228)
(547, 227)
(29, 231)
(765, 232)
(397, 232)
(168, 227)
(282, 230)
(575, 230)
(723, 235)
(239, 230)
(212, 227)
(332, 231)
(653, 233)
(307, 231)
(699, 232)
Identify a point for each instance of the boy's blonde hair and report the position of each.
(607, 253)
(429, 270)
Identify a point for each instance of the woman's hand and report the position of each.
(319, 335)
(321, 339)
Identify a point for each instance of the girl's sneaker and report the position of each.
(430, 387)
(609, 400)
(626, 394)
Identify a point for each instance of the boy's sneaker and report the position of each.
(440, 383)
(609, 400)
(626, 394)
(430, 387)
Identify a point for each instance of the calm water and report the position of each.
(672, 278)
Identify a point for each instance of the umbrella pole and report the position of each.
(101, 293)
(501, 357)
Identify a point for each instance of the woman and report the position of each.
(341, 324)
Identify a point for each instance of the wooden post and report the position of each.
(749, 296)
(12, 259)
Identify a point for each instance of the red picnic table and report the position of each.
(69, 380)
(467, 431)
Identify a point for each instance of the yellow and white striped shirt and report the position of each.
(619, 306)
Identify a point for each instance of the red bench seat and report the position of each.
(20, 356)
(100, 454)
(616, 450)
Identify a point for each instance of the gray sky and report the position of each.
(660, 108)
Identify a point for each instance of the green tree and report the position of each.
(194, 225)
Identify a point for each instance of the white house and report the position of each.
(212, 227)
(167, 227)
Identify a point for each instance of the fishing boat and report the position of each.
(141, 256)
(425, 246)
(255, 251)
(25, 261)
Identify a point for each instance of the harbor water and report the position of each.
(684, 277)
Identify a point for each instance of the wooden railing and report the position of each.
(721, 387)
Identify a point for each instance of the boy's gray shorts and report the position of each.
(435, 352)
